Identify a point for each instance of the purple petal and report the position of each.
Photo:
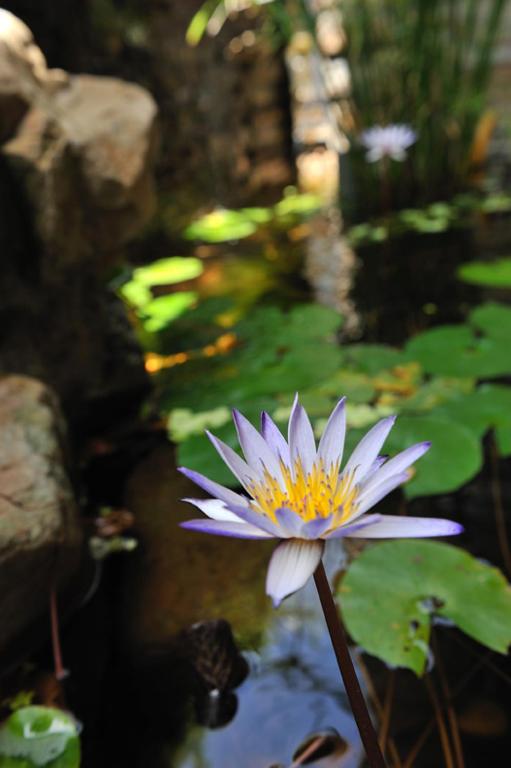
(259, 520)
(275, 438)
(289, 521)
(347, 529)
(315, 528)
(257, 452)
(225, 528)
(214, 489)
(215, 509)
(291, 565)
(400, 526)
(369, 498)
(375, 466)
(331, 445)
(362, 458)
(301, 437)
(238, 467)
(395, 466)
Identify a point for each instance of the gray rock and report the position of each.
(76, 184)
(40, 534)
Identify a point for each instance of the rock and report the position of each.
(76, 184)
(40, 533)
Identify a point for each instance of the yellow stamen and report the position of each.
(320, 493)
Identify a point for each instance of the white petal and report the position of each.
(364, 455)
(215, 509)
(395, 466)
(214, 489)
(237, 530)
(238, 467)
(400, 526)
(301, 437)
(275, 438)
(331, 445)
(368, 500)
(291, 565)
(257, 452)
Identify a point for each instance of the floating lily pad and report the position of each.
(494, 320)
(221, 226)
(493, 274)
(454, 350)
(169, 271)
(39, 736)
(393, 590)
(454, 458)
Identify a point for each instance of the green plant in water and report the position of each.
(35, 736)
(425, 63)
(394, 592)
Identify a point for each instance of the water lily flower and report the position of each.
(388, 141)
(297, 492)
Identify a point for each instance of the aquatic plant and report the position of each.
(298, 496)
(427, 63)
(37, 736)
(390, 141)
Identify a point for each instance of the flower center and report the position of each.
(319, 493)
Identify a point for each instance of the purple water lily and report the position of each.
(388, 141)
(298, 493)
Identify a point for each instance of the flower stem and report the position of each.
(340, 646)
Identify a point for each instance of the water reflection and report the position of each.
(187, 592)
(293, 690)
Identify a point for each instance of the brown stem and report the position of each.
(395, 760)
(387, 711)
(340, 646)
(442, 730)
(308, 752)
(451, 714)
(60, 672)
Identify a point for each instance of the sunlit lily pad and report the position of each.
(493, 274)
(175, 269)
(221, 226)
(393, 590)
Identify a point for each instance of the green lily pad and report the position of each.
(374, 358)
(454, 458)
(392, 591)
(494, 320)
(221, 226)
(493, 274)
(454, 350)
(39, 736)
(164, 309)
(169, 271)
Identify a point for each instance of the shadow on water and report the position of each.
(183, 695)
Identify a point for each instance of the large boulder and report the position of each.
(76, 184)
(40, 534)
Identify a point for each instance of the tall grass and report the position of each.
(425, 63)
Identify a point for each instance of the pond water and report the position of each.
(156, 679)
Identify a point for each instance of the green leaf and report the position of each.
(169, 271)
(494, 320)
(373, 358)
(453, 350)
(392, 591)
(221, 226)
(164, 309)
(494, 274)
(454, 457)
(39, 736)
(135, 293)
